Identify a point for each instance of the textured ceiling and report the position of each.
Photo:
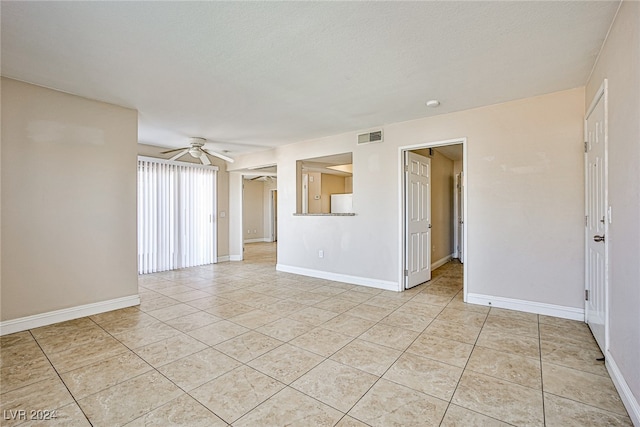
(260, 74)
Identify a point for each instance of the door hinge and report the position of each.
(406, 168)
(586, 146)
(406, 273)
(586, 294)
(586, 220)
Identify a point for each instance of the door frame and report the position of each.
(402, 256)
(458, 207)
(601, 94)
(273, 212)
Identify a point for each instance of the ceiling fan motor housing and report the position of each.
(197, 142)
(196, 147)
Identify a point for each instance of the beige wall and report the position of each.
(253, 212)
(68, 201)
(314, 188)
(257, 209)
(619, 62)
(331, 184)
(268, 185)
(441, 205)
(222, 188)
(348, 184)
(323, 185)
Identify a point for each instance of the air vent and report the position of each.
(367, 138)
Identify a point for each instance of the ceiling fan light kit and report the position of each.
(197, 151)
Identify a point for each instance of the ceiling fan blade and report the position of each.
(171, 151)
(218, 155)
(204, 159)
(180, 154)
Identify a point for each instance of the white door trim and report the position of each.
(458, 206)
(602, 93)
(401, 206)
(273, 212)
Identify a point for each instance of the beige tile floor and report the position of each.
(242, 344)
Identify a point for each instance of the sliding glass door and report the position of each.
(176, 215)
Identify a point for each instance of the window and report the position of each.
(325, 185)
(176, 221)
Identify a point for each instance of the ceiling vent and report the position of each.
(366, 138)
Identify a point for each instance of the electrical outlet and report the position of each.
(320, 253)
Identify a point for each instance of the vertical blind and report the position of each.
(176, 215)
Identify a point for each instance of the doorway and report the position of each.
(445, 226)
(258, 207)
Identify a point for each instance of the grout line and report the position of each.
(153, 368)
(286, 286)
(60, 378)
(464, 369)
(544, 412)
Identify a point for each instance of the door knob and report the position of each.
(598, 238)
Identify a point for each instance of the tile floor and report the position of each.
(242, 344)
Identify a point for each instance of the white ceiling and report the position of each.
(253, 75)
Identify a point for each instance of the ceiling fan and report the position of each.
(197, 151)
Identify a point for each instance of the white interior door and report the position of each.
(596, 218)
(418, 219)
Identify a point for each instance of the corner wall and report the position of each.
(619, 62)
(68, 206)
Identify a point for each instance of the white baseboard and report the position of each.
(258, 240)
(223, 258)
(527, 306)
(628, 399)
(337, 277)
(441, 262)
(57, 316)
(235, 257)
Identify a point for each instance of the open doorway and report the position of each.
(433, 194)
(259, 212)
